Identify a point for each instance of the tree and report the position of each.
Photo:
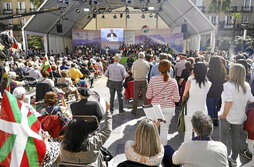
(35, 42)
(218, 7)
(236, 17)
(37, 3)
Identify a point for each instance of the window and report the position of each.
(229, 20)
(32, 6)
(213, 19)
(245, 19)
(23, 20)
(7, 5)
(199, 2)
(21, 5)
(247, 3)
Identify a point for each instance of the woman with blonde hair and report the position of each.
(235, 96)
(163, 90)
(146, 148)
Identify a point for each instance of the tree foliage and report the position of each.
(35, 42)
(218, 6)
(37, 3)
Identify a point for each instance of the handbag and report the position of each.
(107, 156)
(182, 113)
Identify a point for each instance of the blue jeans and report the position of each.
(81, 83)
(212, 107)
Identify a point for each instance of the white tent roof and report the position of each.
(173, 12)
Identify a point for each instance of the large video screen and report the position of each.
(112, 34)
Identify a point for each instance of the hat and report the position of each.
(117, 56)
(141, 55)
(19, 92)
(84, 92)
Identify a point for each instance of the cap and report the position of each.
(19, 92)
(117, 56)
(84, 92)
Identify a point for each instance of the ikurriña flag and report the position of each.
(21, 145)
(8, 84)
(46, 65)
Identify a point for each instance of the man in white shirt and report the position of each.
(180, 66)
(20, 94)
(35, 73)
(140, 70)
(202, 151)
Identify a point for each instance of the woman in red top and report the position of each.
(163, 90)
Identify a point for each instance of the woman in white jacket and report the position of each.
(235, 96)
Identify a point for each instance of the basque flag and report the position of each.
(20, 142)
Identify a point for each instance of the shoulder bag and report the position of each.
(150, 100)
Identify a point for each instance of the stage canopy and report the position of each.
(173, 12)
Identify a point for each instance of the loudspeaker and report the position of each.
(184, 28)
(59, 28)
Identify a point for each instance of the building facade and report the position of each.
(11, 7)
(226, 24)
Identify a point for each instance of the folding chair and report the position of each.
(91, 120)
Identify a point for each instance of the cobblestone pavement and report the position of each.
(124, 126)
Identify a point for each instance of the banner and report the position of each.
(171, 36)
(129, 37)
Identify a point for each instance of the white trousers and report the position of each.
(168, 114)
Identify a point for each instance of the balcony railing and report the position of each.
(247, 8)
(7, 11)
(32, 9)
(19, 11)
(232, 9)
(238, 26)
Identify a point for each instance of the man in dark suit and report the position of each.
(85, 107)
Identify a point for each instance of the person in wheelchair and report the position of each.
(81, 145)
(86, 107)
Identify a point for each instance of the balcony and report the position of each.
(232, 9)
(7, 11)
(20, 11)
(247, 9)
(201, 8)
(32, 9)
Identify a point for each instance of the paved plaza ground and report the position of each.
(124, 126)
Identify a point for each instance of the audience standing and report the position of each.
(216, 75)
(116, 74)
(197, 87)
(235, 96)
(140, 70)
(163, 90)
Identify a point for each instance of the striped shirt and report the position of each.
(163, 93)
(116, 72)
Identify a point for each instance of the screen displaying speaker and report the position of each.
(112, 34)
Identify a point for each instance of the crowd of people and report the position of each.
(217, 91)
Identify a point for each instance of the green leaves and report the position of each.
(37, 3)
(218, 6)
